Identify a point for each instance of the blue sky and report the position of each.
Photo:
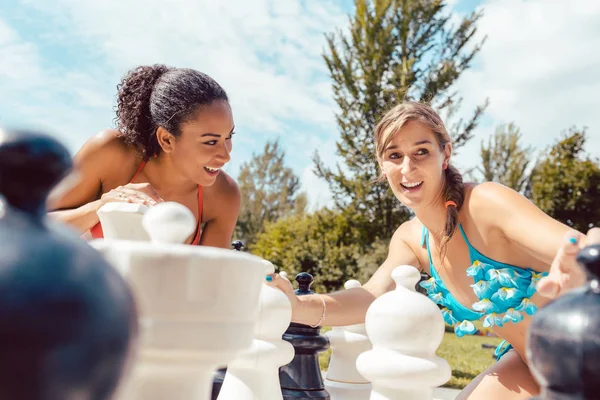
(62, 60)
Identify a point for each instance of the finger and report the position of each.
(121, 196)
(145, 188)
(136, 195)
(276, 280)
(572, 243)
(549, 286)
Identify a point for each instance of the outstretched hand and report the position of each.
(565, 274)
(283, 284)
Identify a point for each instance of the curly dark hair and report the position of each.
(150, 96)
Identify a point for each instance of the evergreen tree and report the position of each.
(394, 50)
(566, 183)
(504, 159)
(269, 191)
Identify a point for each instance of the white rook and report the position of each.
(342, 380)
(405, 329)
(254, 375)
(197, 305)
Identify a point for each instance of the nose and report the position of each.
(407, 166)
(223, 153)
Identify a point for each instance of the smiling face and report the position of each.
(413, 162)
(205, 142)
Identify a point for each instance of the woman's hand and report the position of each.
(565, 273)
(138, 193)
(283, 284)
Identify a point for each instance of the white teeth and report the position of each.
(412, 184)
(211, 169)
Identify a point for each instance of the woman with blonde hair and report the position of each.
(492, 254)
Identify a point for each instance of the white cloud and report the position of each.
(266, 53)
(539, 68)
(317, 189)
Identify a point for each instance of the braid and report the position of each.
(454, 190)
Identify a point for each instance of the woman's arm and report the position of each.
(519, 220)
(541, 236)
(350, 306)
(76, 204)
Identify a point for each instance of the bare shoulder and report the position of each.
(105, 145)
(491, 200)
(224, 194)
(226, 187)
(103, 162)
(408, 233)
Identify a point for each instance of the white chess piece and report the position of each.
(123, 221)
(405, 329)
(342, 380)
(254, 375)
(197, 306)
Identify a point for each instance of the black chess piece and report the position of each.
(563, 346)
(238, 245)
(219, 374)
(67, 318)
(301, 379)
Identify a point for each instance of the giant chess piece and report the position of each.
(254, 375)
(67, 318)
(342, 380)
(198, 305)
(301, 379)
(563, 346)
(219, 375)
(405, 329)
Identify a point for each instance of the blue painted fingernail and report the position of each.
(573, 240)
(269, 278)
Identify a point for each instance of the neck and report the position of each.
(433, 217)
(165, 178)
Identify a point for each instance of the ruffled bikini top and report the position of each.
(504, 291)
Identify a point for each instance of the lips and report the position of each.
(411, 185)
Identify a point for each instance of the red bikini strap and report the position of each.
(138, 171)
(199, 230)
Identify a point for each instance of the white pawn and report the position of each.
(406, 329)
(343, 381)
(254, 375)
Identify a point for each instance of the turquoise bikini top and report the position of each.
(503, 290)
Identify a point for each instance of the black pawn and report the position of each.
(301, 378)
(67, 318)
(238, 245)
(219, 374)
(563, 344)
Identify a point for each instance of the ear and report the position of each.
(165, 139)
(447, 154)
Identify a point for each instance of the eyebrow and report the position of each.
(394, 146)
(216, 134)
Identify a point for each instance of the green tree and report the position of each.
(505, 159)
(269, 191)
(394, 50)
(322, 243)
(566, 183)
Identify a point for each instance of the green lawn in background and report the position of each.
(465, 355)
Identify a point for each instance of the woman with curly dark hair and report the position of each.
(173, 136)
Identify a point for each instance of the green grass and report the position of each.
(465, 355)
